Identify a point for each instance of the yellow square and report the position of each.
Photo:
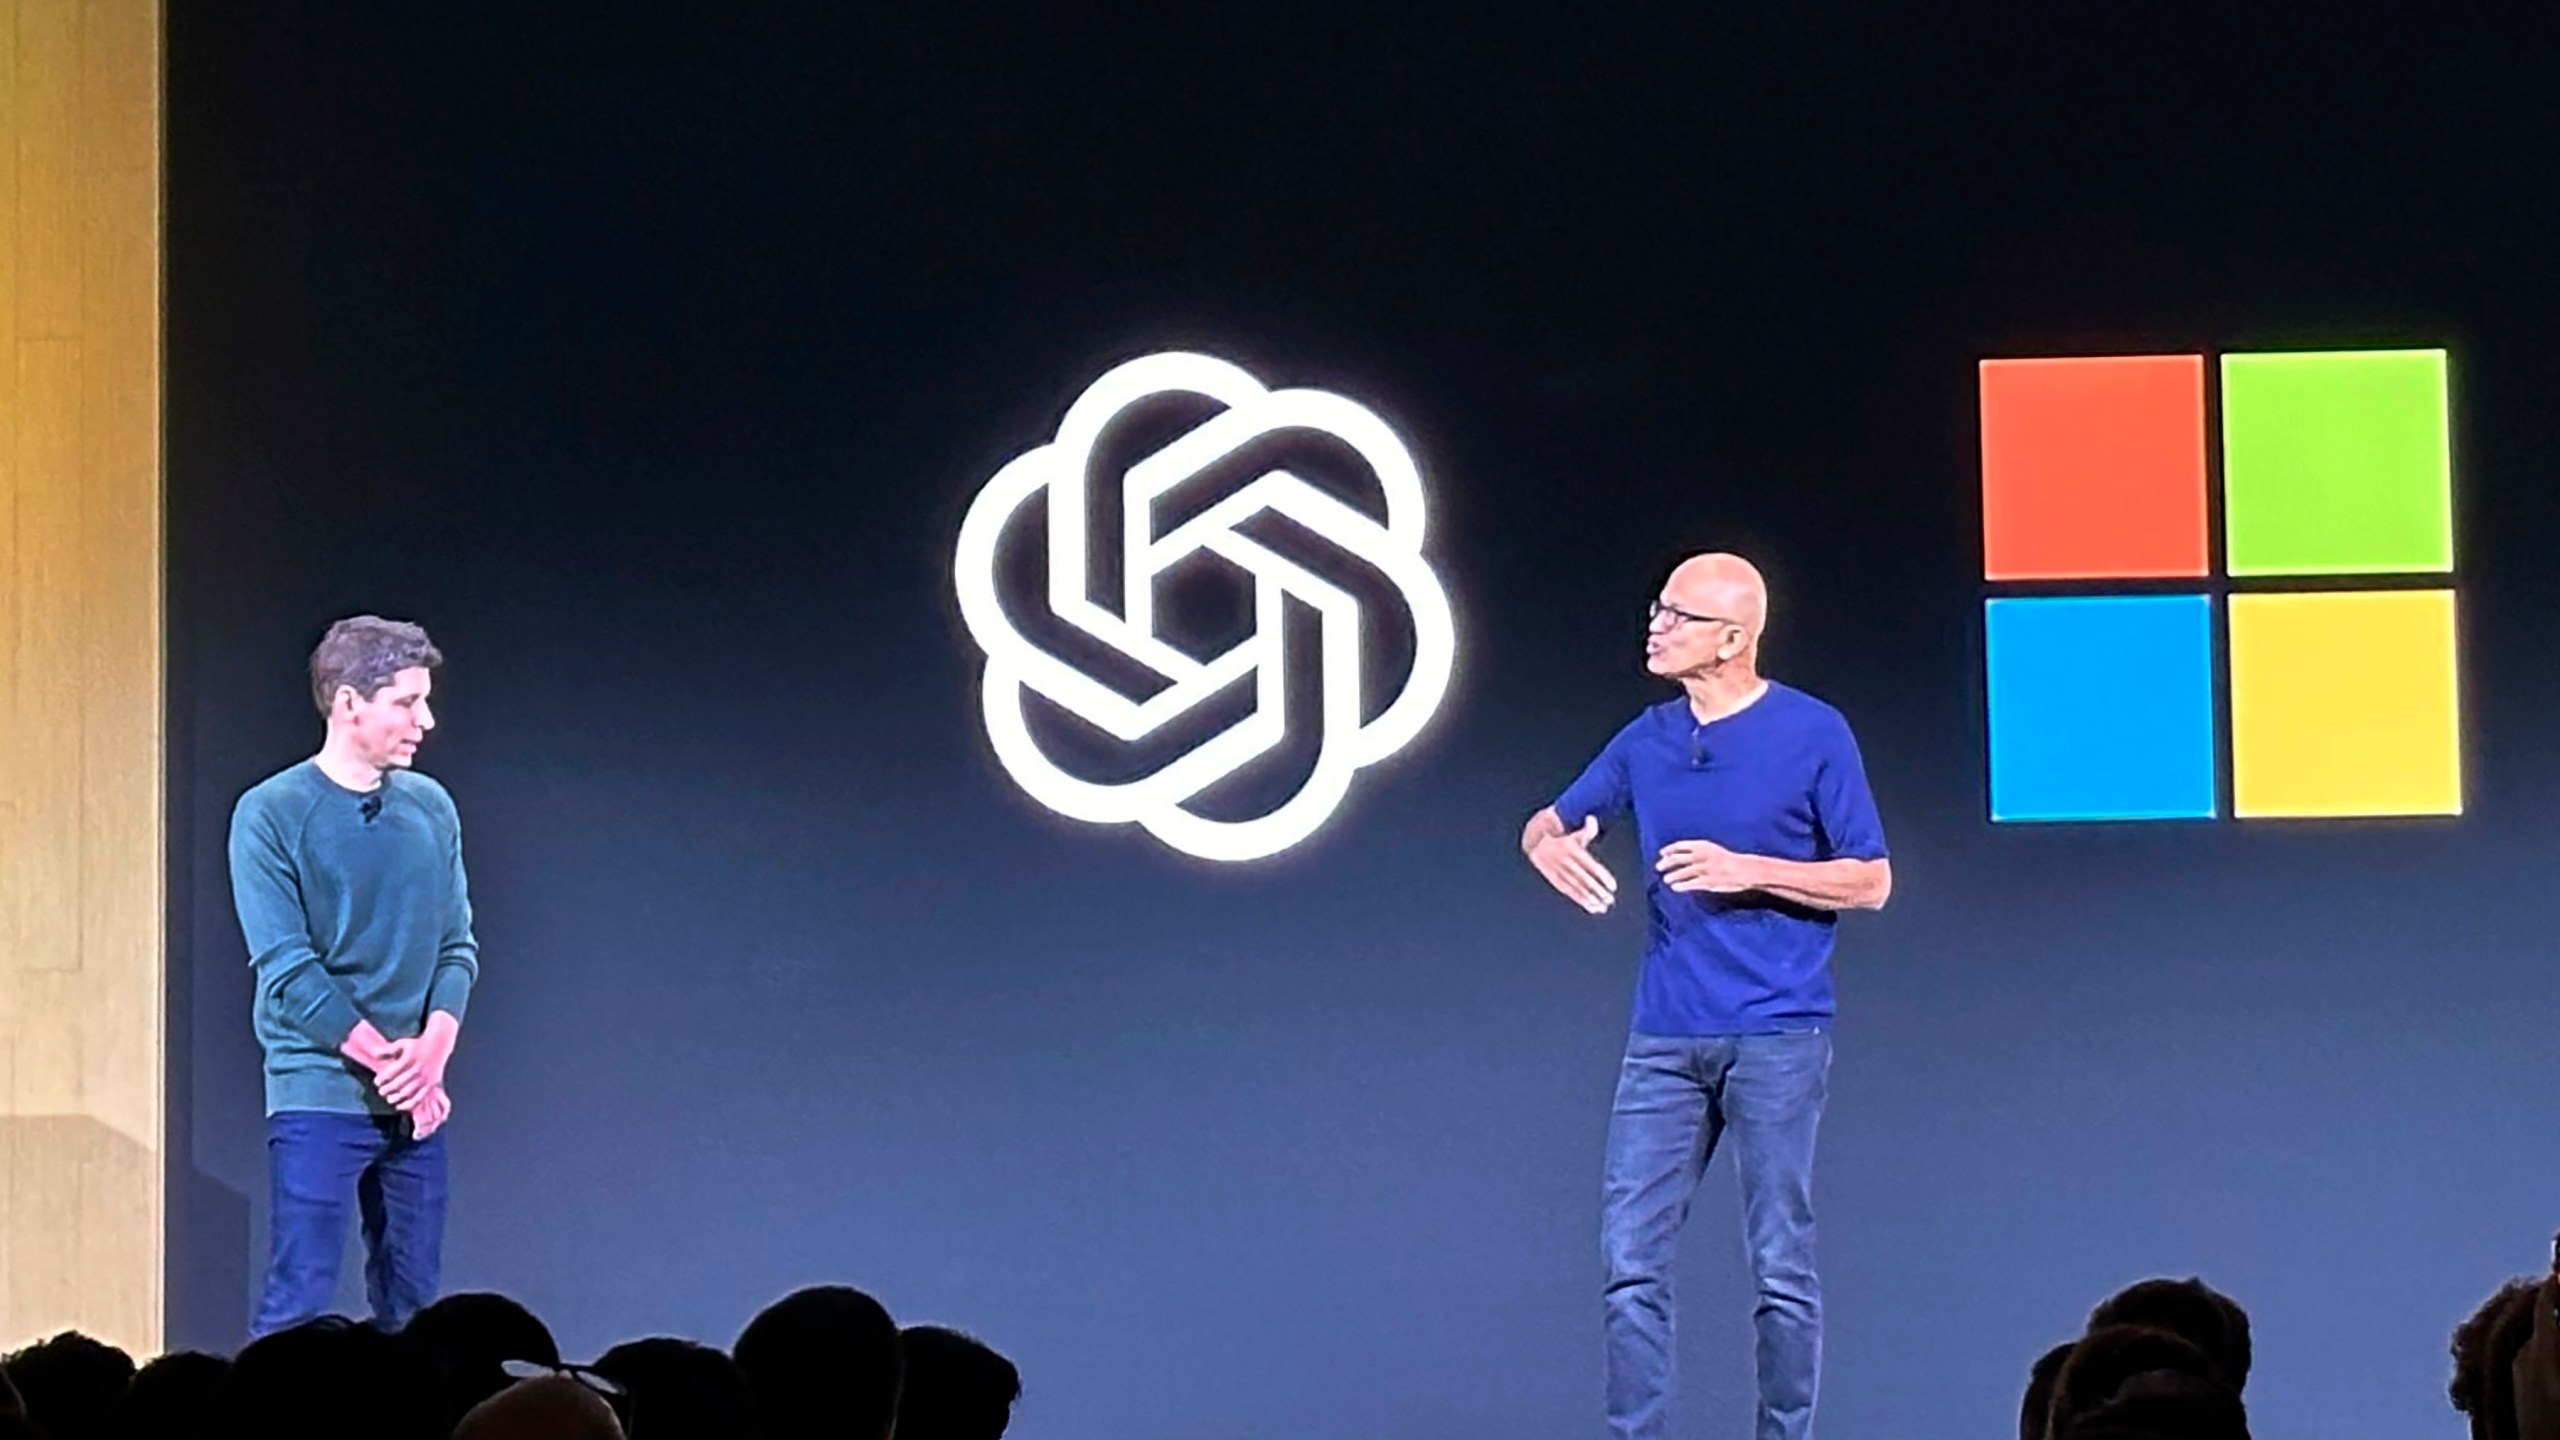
(2343, 703)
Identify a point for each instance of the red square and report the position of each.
(2093, 468)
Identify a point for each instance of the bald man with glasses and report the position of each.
(1752, 806)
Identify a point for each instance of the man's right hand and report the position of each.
(1564, 857)
(365, 1046)
(429, 1114)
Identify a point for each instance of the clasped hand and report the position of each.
(409, 1074)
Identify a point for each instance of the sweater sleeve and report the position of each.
(458, 951)
(266, 889)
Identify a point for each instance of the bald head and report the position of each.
(554, 1408)
(1705, 626)
(1721, 584)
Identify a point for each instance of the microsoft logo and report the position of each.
(2114, 647)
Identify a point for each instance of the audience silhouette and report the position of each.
(818, 1364)
(2506, 1360)
(466, 1340)
(68, 1387)
(957, 1388)
(825, 1364)
(2161, 1359)
(686, 1390)
(2158, 1360)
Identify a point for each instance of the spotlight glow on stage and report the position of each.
(1016, 666)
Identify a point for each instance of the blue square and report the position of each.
(2101, 707)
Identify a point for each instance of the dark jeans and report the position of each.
(316, 1162)
(1678, 1097)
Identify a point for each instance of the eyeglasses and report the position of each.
(1656, 610)
(615, 1397)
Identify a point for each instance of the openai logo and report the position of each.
(1211, 490)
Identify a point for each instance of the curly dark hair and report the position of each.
(2136, 1382)
(2205, 1317)
(363, 652)
(2484, 1357)
(2035, 1412)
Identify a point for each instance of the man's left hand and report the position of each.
(1689, 865)
(413, 1067)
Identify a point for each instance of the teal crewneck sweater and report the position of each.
(353, 910)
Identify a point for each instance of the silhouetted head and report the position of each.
(2485, 1347)
(464, 1339)
(169, 1396)
(958, 1388)
(70, 1385)
(681, 1390)
(553, 1408)
(2205, 1317)
(324, 1380)
(824, 1363)
(2133, 1382)
(2536, 1368)
(2035, 1412)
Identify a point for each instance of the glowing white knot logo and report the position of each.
(1015, 664)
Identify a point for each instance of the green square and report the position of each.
(2336, 463)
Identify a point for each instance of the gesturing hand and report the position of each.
(1568, 864)
(411, 1068)
(1688, 865)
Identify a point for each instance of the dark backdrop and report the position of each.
(648, 355)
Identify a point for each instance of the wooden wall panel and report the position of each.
(81, 690)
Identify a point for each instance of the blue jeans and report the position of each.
(316, 1161)
(1678, 1097)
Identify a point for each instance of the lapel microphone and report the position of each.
(370, 807)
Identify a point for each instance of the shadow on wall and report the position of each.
(208, 1262)
(205, 1262)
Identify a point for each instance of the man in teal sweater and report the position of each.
(347, 873)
